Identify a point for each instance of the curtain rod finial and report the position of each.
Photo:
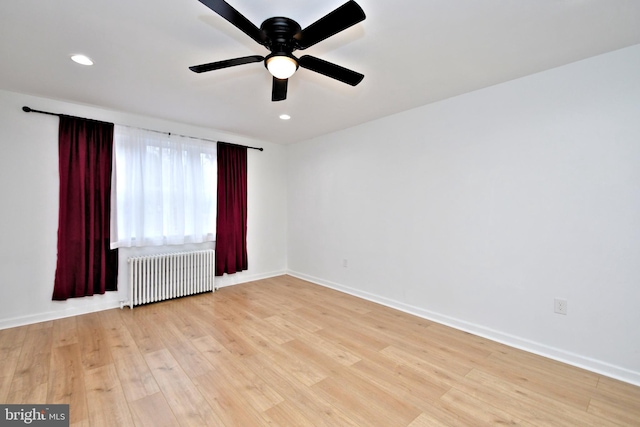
(26, 109)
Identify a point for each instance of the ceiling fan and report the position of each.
(282, 36)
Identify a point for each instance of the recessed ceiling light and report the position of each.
(82, 59)
(285, 116)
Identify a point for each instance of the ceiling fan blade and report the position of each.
(279, 92)
(225, 64)
(225, 10)
(330, 70)
(340, 19)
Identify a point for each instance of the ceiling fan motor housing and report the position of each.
(280, 32)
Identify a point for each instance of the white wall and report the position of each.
(29, 189)
(479, 210)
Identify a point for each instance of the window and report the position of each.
(163, 189)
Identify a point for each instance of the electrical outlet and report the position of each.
(560, 306)
(345, 263)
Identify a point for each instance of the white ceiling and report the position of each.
(412, 52)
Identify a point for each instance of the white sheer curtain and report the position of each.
(163, 189)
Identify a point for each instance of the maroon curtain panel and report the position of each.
(231, 222)
(86, 265)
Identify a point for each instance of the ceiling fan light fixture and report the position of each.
(281, 66)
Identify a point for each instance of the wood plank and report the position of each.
(337, 352)
(228, 403)
(574, 393)
(616, 401)
(618, 392)
(301, 368)
(304, 371)
(31, 374)
(619, 414)
(153, 411)
(40, 325)
(233, 371)
(567, 373)
(108, 404)
(65, 331)
(94, 346)
(312, 405)
(436, 355)
(299, 321)
(364, 402)
(228, 334)
(358, 341)
(433, 371)
(250, 302)
(402, 323)
(324, 317)
(247, 323)
(522, 403)
(135, 377)
(7, 369)
(83, 423)
(35, 394)
(468, 342)
(425, 420)
(11, 342)
(66, 381)
(407, 384)
(139, 323)
(315, 359)
(184, 398)
(275, 335)
(453, 346)
(285, 414)
(477, 411)
(183, 350)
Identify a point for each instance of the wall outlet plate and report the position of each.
(560, 306)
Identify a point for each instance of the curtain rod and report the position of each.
(31, 110)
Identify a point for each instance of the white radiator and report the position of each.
(159, 277)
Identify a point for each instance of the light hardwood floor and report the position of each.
(285, 352)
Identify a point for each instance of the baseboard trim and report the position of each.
(58, 314)
(577, 360)
(244, 277)
(220, 282)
